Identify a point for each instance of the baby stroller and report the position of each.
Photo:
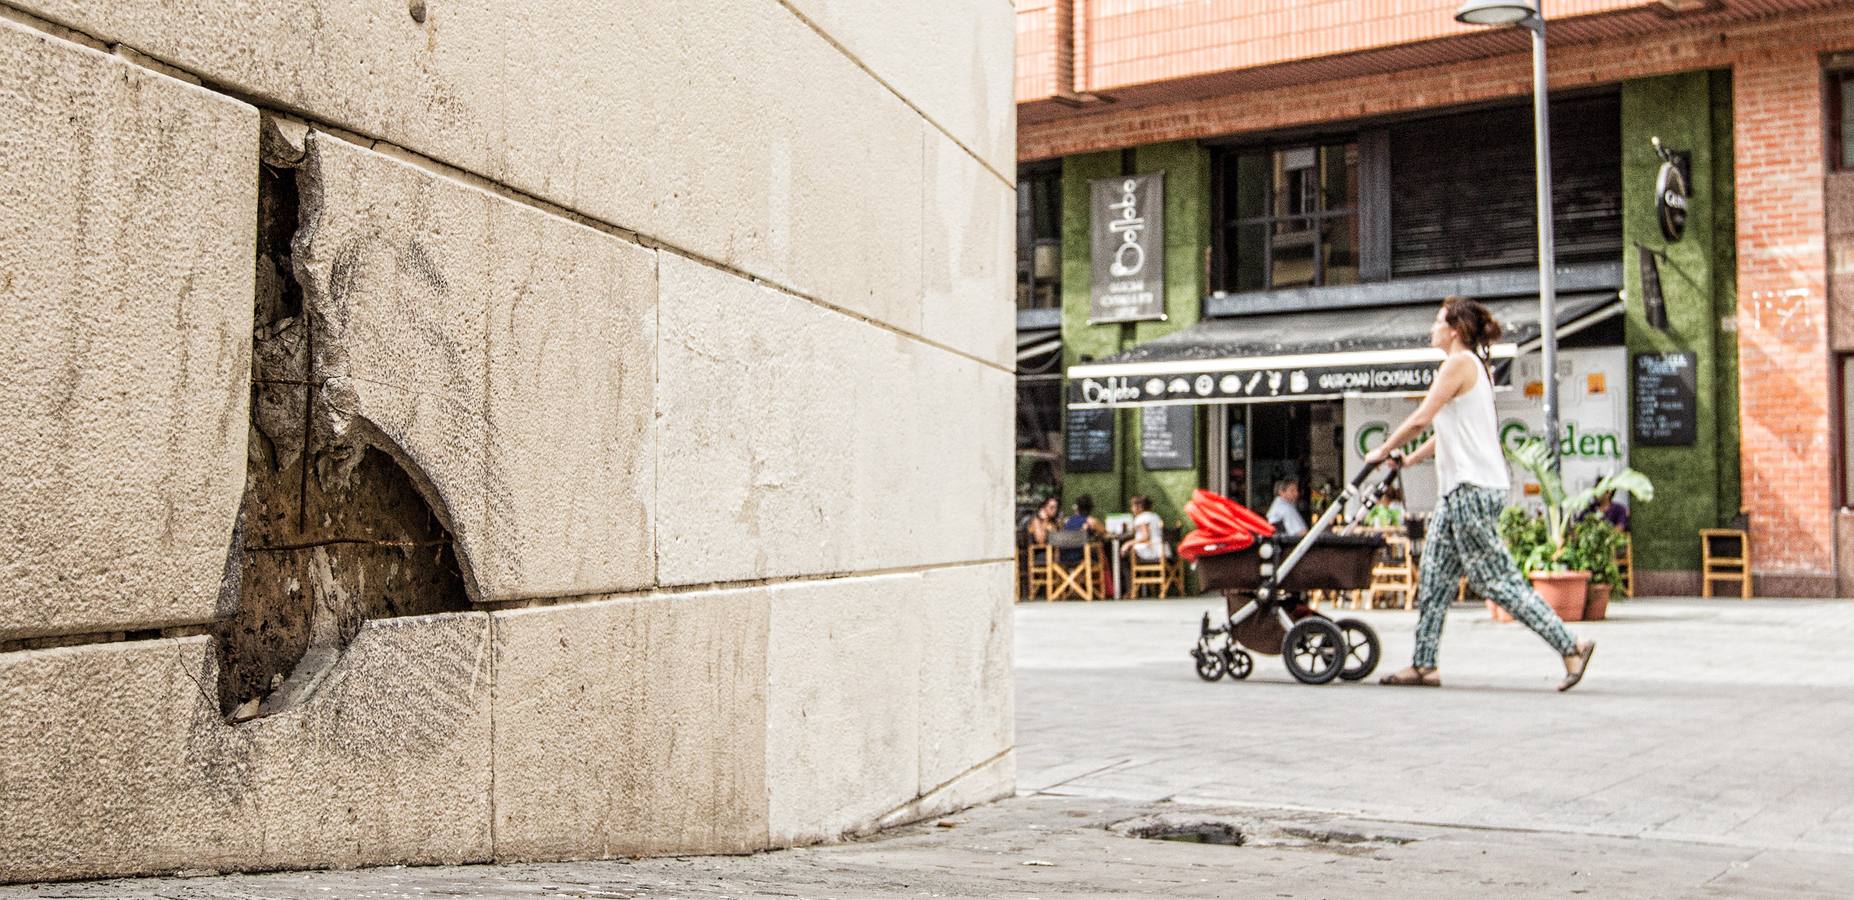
(1265, 600)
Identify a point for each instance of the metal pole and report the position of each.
(1548, 299)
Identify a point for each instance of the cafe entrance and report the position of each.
(1263, 442)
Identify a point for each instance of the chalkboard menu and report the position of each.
(1168, 437)
(1666, 399)
(1089, 444)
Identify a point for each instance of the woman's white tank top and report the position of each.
(1467, 439)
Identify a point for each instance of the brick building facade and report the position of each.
(1096, 75)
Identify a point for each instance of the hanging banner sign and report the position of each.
(1260, 385)
(1128, 241)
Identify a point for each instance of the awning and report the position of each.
(1308, 355)
(1039, 352)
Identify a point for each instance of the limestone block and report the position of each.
(118, 761)
(966, 697)
(797, 440)
(506, 352)
(842, 696)
(125, 299)
(632, 727)
(952, 61)
(969, 255)
(572, 396)
(632, 113)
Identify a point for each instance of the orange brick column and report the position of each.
(1784, 406)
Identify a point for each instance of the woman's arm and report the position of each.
(1427, 450)
(1455, 376)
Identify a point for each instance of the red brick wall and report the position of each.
(1128, 42)
(1572, 65)
(1786, 455)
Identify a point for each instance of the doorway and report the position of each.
(1303, 442)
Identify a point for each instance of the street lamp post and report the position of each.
(1526, 14)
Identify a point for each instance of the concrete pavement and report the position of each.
(1705, 756)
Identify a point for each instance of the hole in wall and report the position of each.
(332, 531)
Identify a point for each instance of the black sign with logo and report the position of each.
(1666, 389)
(1303, 383)
(1088, 441)
(1168, 437)
(1128, 242)
(1670, 193)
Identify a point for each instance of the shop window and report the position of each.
(1288, 217)
(1841, 119)
(1039, 238)
(1039, 441)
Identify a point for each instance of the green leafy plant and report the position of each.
(1561, 509)
(1525, 538)
(1592, 547)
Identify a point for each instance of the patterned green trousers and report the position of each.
(1463, 538)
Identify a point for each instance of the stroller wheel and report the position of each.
(1361, 649)
(1238, 663)
(1210, 666)
(1314, 650)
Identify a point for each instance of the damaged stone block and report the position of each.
(633, 727)
(506, 353)
(125, 298)
(118, 761)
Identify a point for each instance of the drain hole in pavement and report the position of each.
(1191, 833)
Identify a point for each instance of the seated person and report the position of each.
(1148, 544)
(1284, 513)
(1081, 520)
(1043, 521)
(1614, 512)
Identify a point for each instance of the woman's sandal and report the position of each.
(1413, 677)
(1584, 651)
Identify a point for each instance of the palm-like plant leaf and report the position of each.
(1535, 458)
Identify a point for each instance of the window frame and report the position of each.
(1027, 284)
(1226, 225)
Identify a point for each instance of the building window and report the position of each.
(1288, 217)
(1039, 238)
(1841, 119)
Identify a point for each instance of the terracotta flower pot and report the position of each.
(1563, 592)
(1499, 615)
(1596, 605)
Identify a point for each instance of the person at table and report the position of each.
(1043, 521)
(1148, 543)
(1284, 513)
(1613, 512)
(1082, 519)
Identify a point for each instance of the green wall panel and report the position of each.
(1695, 486)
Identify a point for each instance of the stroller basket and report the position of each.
(1335, 562)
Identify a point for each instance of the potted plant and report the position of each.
(1558, 582)
(1592, 547)
(1526, 539)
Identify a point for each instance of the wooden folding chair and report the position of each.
(1725, 555)
(1625, 565)
(1395, 573)
(1079, 579)
(1174, 566)
(1036, 570)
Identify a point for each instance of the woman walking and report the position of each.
(1473, 483)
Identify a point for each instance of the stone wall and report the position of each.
(447, 433)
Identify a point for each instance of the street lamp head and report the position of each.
(1496, 12)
